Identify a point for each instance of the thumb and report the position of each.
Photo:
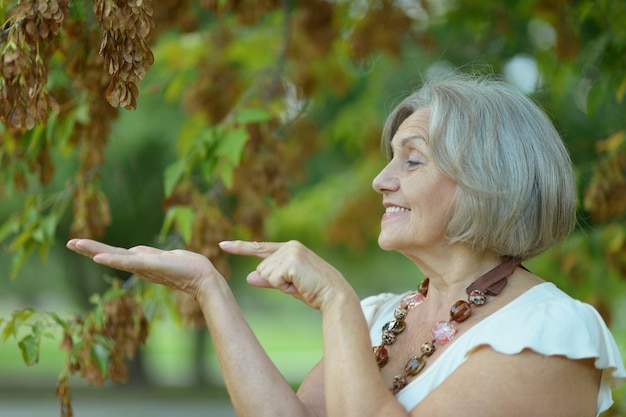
(254, 279)
(258, 249)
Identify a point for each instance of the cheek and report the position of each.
(442, 199)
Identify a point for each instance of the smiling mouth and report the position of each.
(395, 209)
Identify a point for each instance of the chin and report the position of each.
(386, 244)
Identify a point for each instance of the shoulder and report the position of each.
(542, 307)
(547, 320)
(558, 330)
(525, 384)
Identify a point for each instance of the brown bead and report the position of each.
(400, 313)
(388, 337)
(395, 326)
(381, 354)
(428, 348)
(415, 365)
(399, 382)
(423, 287)
(477, 297)
(460, 311)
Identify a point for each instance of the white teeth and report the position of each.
(395, 209)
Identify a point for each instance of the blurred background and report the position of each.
(186, 122)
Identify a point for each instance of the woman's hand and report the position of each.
(179, 269)
(293, 269)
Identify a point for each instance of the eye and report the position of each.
(413, 163)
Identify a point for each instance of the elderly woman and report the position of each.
(478, 180)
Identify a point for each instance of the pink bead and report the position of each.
(443, 332)
(412, 300)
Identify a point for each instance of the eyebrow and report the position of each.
(412, 138)
(406, 140)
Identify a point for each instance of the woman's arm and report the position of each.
(256, 387)
(352, 385)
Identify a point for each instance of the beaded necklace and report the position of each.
(442, 332)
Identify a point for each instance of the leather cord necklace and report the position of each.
(491, 283)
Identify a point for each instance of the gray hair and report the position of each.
(516, 192)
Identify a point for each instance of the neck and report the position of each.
(451, 273)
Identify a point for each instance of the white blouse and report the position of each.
(544, 319)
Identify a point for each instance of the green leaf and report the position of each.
(22, 315)
(9, 227)
(8, 331)
(78, 10)
(252, 116)
(95, 298)
(29, 346)
(17, 319)
(23, 238)
(207, 168)
(44, 247)
(168, 222)
(181, 216)
(38, 235)
(97, 317)
(59, 131)
(176, 86)
(58, 320)
(100, 354)
(36, 139)
(184, 220)
(193, 128)
(49, 224)
(19, 258)
(112, 293)
(173, 174)
(226, 173)
(231, 145)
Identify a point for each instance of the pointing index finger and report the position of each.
(258, 249)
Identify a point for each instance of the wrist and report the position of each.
(338, 300)
(209, 286)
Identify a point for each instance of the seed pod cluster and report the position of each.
(127, 55)
(248, 12)
(99, 348)
(64, 394)
(605, 197)
(382, 28)
(26, 45)
(90, 214)
(259, 171)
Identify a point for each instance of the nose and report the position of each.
(385, 181)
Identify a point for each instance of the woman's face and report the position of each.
(417, 196)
